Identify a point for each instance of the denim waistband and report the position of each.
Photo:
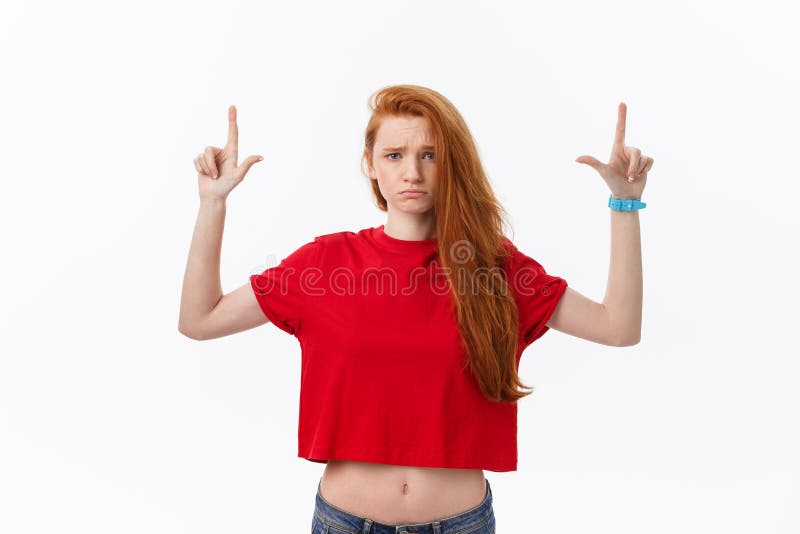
(480, 516)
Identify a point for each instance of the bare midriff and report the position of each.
(397, 494)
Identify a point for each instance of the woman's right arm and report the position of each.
(205, 312)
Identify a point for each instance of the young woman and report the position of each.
(412, 331)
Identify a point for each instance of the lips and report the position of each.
(412, 191)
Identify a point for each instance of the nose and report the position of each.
(411, 173)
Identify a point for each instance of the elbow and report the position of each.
(189, 332)
(628, 339)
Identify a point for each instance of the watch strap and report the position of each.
(630, 204)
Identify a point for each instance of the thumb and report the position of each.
(590, 161)
(246, 164)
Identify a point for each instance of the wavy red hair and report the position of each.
(469, 230)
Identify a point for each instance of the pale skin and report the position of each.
(394, 494)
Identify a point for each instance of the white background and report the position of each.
(111, 421)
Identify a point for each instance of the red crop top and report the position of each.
(382, 372)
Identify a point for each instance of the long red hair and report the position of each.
(469, 231)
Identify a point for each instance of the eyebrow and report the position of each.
(399, 148)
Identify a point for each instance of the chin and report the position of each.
(418, 209)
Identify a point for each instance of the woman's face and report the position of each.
(403, 159)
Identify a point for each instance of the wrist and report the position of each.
(212, 202)
(627, 203)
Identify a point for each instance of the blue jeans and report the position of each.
(331, 520)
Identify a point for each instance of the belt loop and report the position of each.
(437, 527)
(367, 526)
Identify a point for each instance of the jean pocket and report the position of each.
(333, 529)
(318, 527)
(484, 526)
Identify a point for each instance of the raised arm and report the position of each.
(617, 321)
(205, 313)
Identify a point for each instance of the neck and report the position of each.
(410, 226)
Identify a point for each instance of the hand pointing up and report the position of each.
(627, 168)
(218, 172)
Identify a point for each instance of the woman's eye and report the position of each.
(393, 153)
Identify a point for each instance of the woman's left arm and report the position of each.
(617, 321)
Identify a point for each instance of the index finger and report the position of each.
(233, 129)
(619, 138)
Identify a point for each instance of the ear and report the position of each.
(372, 175)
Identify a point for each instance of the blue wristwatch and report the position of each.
(619, 204)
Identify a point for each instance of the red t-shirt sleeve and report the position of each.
(536, 292)
(281, 290)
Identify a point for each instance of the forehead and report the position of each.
(399, 130)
